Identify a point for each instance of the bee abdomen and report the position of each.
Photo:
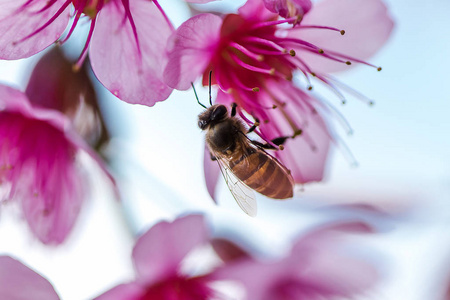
(262, 173)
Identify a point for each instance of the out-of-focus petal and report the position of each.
(51, 195)
(39, 152)
(55, 85)
(367, 26)
(158, 252)
(227, 250)
(211, 170)
(316, 268)
(128, 291)
(257, 277)
(326, 264)
(326, 267)
(18, 282)
(14, 100)
(289, 8)
(190, 50)
(133, 76)
(18, 21)
(256, 10)
(199, 1)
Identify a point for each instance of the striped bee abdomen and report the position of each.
(264, 174)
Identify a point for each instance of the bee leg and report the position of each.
(256, 124)
(277, 141)
(264, 146)
(233, 109)
(280, 140)
(213, 158)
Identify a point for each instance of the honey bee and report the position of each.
(244, 163)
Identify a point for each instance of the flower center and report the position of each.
(179, 288)
(249, 54)
(89, 7)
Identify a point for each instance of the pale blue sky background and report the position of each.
(402, 145)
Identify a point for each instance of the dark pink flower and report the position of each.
(316, 268)
(253, 56)
(39, 166)
(157, 258)
(18, 282)
(126, 48)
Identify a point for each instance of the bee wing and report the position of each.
(244, 196)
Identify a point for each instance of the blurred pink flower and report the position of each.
(252, 56)
(289, 8)
(126, 48)
(157, 258)
(18, 282)
(39, 166)
(55, 85)
(317, 268)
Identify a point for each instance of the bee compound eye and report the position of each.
(219, 112)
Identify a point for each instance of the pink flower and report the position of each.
(253, 55)
(55, 85)
(18, 282)
(316, 268)
(126, 48)
(157, 258)
(39, 167)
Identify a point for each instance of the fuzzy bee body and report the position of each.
(249, 163)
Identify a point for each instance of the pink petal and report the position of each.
(17, 22)
(13, 100)
(40, 150)
(18, 282)
(367, 26)
(54, 84)
(258, 278)
(190, 50)
(228, 251)
(211, 170)
(255, 10)
(307, 164)
(158, 252)
(132, 76)
(334, 273)
(129, 291)
(54, 191)
(199, 1)
(288, 8)
(44, 175)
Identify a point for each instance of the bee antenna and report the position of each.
(210, 101)
(196, 97)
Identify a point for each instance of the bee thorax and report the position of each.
(222, 137)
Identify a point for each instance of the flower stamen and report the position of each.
(247, 51)
(273, 23)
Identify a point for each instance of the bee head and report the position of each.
(213, 115)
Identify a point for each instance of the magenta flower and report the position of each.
(316, 268)
(253, 55)
(126, 40)
(18, 282)
(39, 167)
(157, 258)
